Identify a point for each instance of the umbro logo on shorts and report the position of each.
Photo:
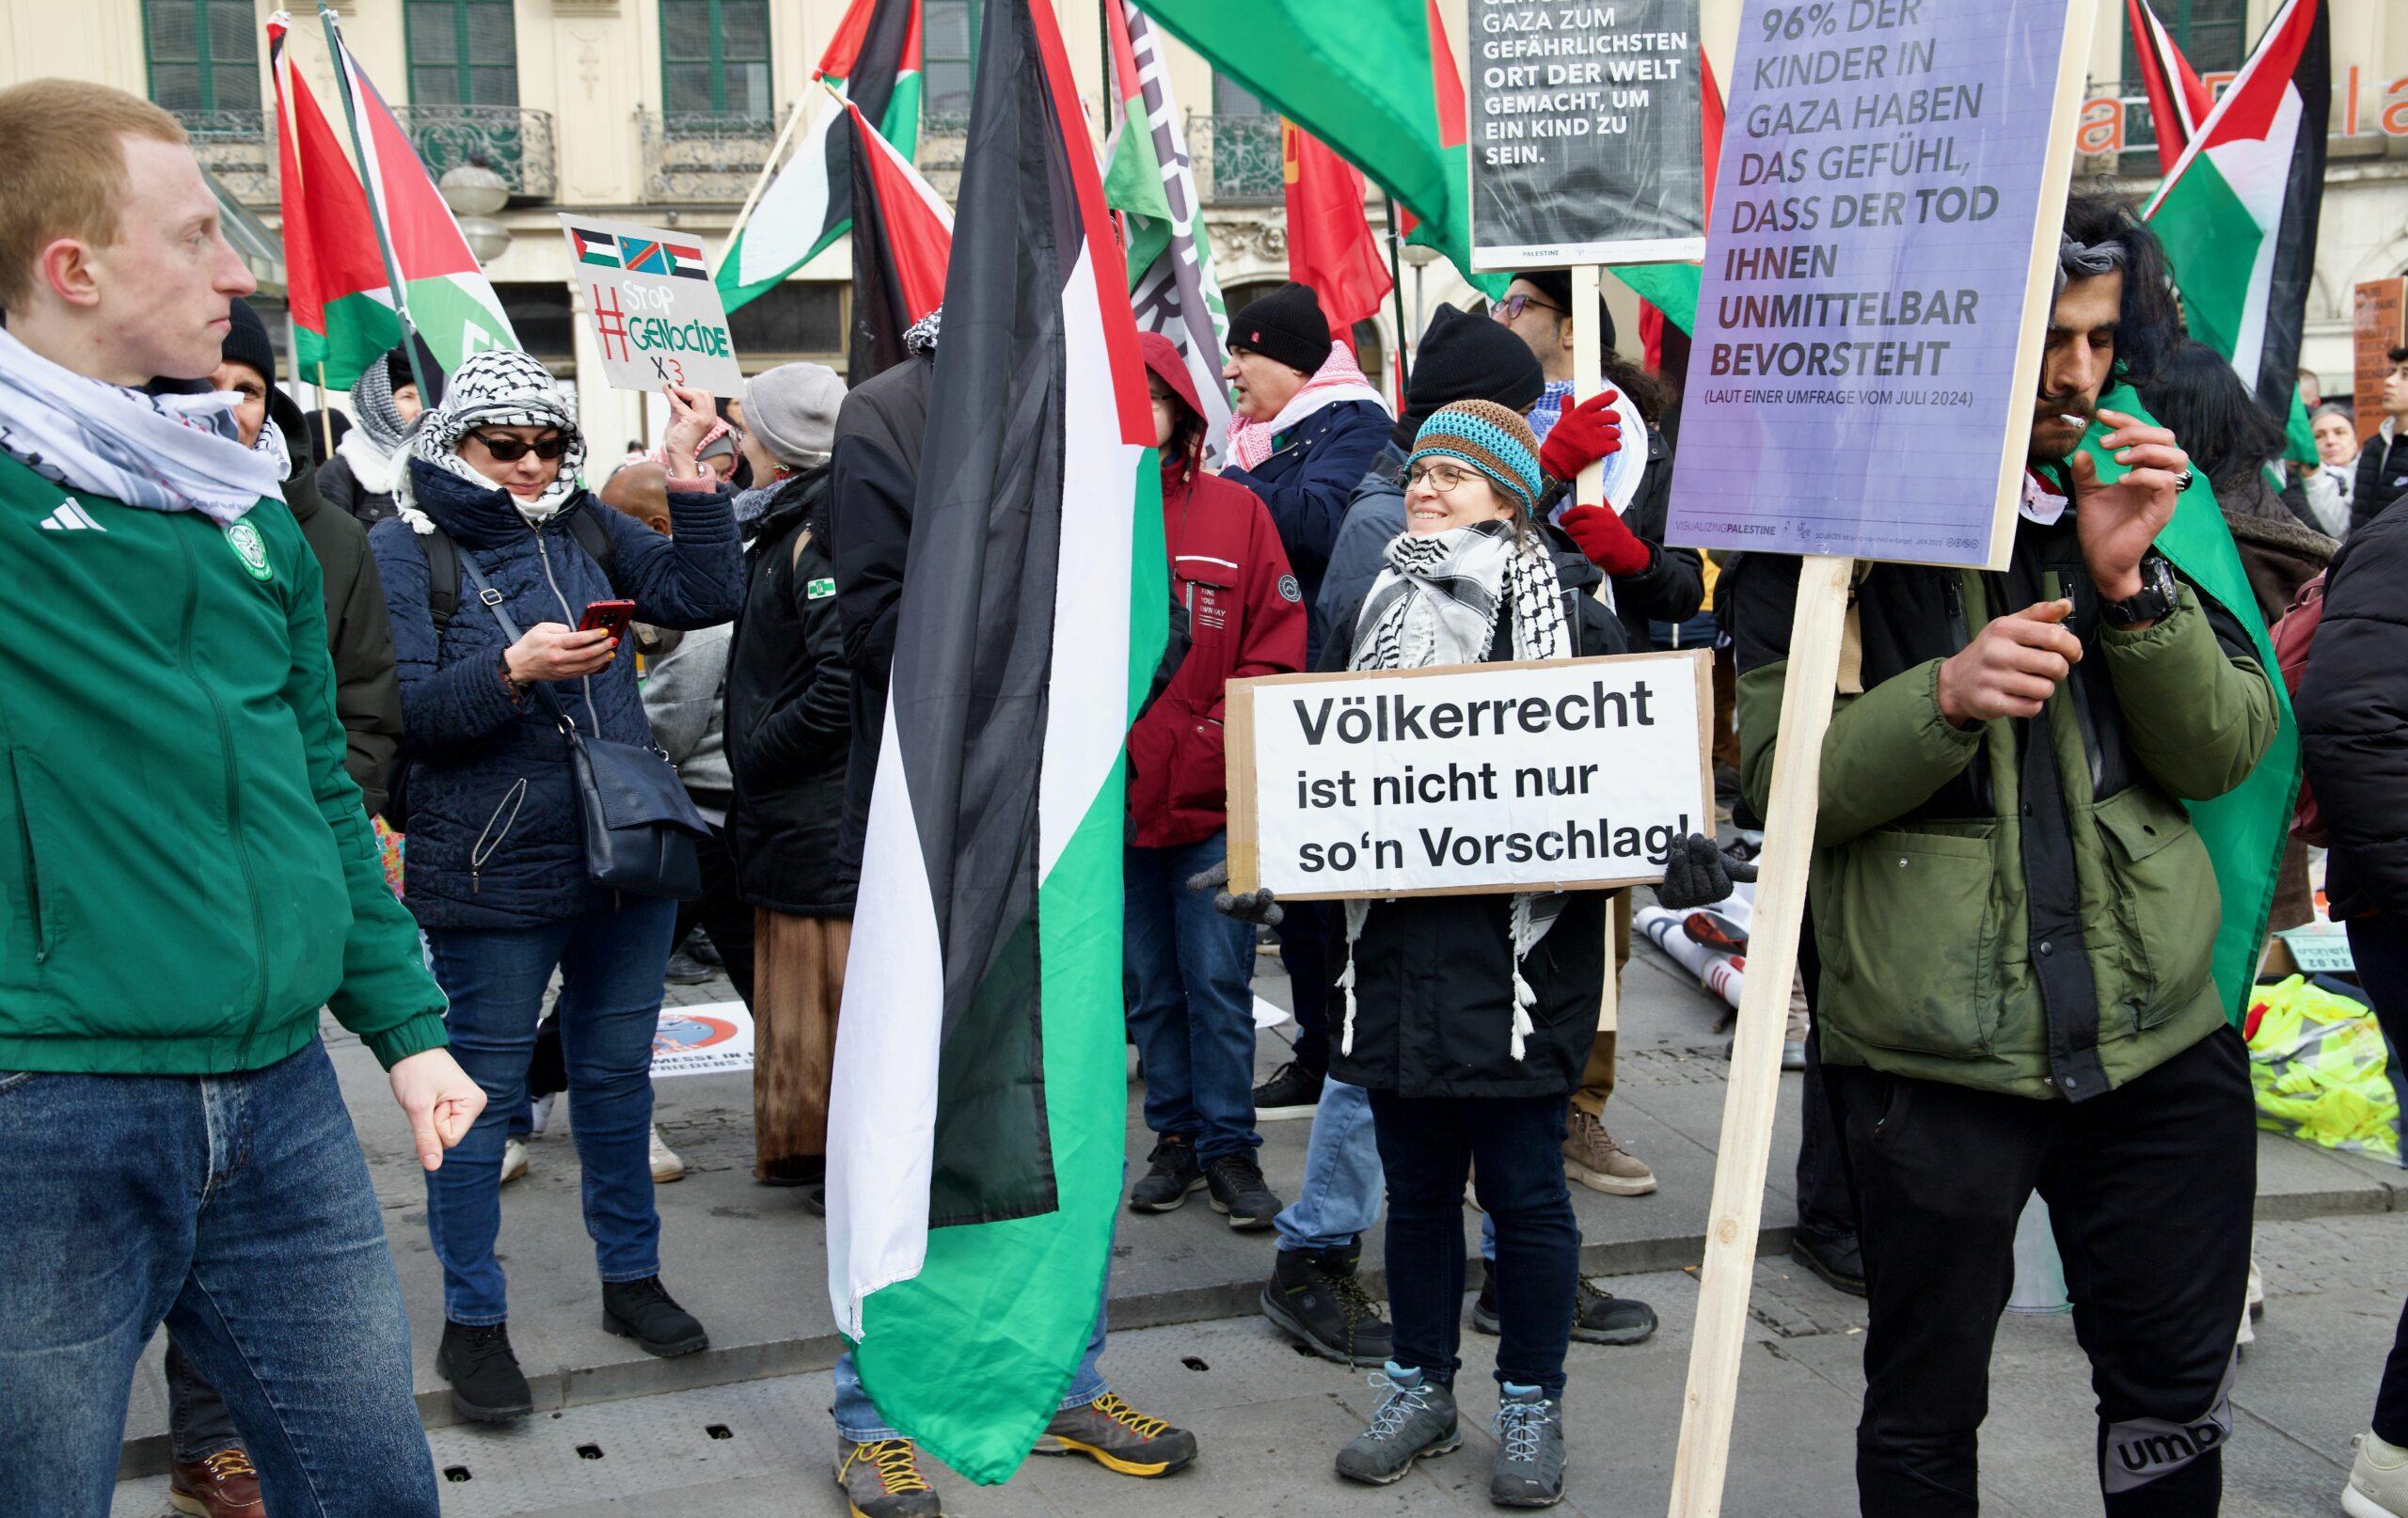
(71, 517)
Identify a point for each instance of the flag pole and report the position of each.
(375, 197)
(761, 180)
(326, 405)
(1396, 289)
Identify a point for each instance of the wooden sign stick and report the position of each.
(1588, 371)
(1745, 1148)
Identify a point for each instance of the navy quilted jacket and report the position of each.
(493, 840)
(1306, 486)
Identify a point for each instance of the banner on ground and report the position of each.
(656, 316)
(1585, 133)
(1884, 240)
(1561, 774)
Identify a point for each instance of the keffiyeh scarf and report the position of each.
(1340, 378)
(1438, 602)
(162, 452)
(497, 388)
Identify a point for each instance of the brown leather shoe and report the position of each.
(223, 1485)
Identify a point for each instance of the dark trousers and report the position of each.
(1826, 1203)
(2380, 946)
(1513, 1146)
(1305, 931)
(199, 1423)
(2150, 1188)
(723, 912)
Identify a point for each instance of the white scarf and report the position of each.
(1340, 378)
(1438, 603)
(162, 452)
(375, 469)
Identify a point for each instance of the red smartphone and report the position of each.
(611, 616)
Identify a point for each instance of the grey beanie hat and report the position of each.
(792, 409)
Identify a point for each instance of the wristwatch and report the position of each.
(2156, 601)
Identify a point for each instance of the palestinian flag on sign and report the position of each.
(2177, 102)
(2238, 213)
(975, 1135)
(1150, 181)
(874, 62)
(902, 239)
(445, 296)
(343, 306)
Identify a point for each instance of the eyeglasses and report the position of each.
(511, 449)
(1514, 305)
(1445, 479)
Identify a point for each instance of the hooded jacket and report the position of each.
(495, 840)
(1246, 617)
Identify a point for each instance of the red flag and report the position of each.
(2177, 102)
(1330, 245)
(902, 243)
(1663, 341)
(330, 253)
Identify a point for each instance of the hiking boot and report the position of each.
(645, 1312)
(1527, 1471)
(1175, 1173)
(1118, 1438)
(1839, 1261)
(486, 1383)
(1592, 1158)
(881, 1479)
(1313, 1294)
(2378, 1479)
(1598, 1317)
(1415, 1418)
(666, 1166)
(220, 1485)
(1239, 1192)
(1292, 1091)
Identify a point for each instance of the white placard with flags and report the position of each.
(656, 316)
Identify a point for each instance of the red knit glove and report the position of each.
(1607, 540)
(1582, 436)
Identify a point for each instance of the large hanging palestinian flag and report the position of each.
(873, 62)
(976, 1132)
(902, 239)
(2238, 214)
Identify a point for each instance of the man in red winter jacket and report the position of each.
(1192, 969)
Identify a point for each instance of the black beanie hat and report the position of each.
(246, 340)
(1464, 356)
(1556, 286)
(1286, 325)
(397, 371)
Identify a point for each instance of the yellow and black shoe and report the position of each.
(1118, 1437)
(881, 1479)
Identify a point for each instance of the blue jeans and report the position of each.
(859, 1419)
(236, 1210)
(1339, 1199)
(1192, 1007)
(611, 965)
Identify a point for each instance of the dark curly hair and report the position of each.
(2150, 323)
(2228, 436)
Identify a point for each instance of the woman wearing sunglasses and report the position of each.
(497, 872)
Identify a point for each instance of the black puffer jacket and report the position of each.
(2382, 476)
(789, 697)
(2353, 720)
(1433, 975)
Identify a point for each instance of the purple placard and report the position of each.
(1850, 385)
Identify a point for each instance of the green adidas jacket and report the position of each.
(186, 873)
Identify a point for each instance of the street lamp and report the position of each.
(474, 192)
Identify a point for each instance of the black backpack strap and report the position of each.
(594, 538)
(442, 578)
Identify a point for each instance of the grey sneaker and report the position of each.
(881, 1479)
(2378, 1479)
(1529, 1468)
(1118, 1438)
(1416, 1417)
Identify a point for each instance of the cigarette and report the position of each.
(2072, 420)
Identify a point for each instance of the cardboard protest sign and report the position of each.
(1585, 133)
(2375, 329)
(1868, 330)
(1464, 779)
(657, 315)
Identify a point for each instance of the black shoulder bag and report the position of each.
(640, 825)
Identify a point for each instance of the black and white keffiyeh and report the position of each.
(1438, 602)
(499, 387)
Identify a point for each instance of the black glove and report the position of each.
(1257, 906)
(1698, 874)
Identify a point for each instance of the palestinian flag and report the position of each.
(902, 238)
(1373, 79)
(1150, 181)
(874, 62)
(343, 306)
(2247, 828)
(2177, 102)
(2238, 211)
(445, 296)
(975, 1135)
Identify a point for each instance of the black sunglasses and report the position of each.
(511, 449)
